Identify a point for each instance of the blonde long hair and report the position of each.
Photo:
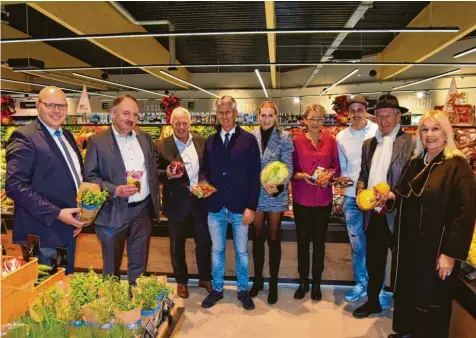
(450, 150)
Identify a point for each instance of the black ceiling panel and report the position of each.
(30, 21)
(206, 16)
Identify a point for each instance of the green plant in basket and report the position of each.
(147, 291)
(84, 290)
(91, 198)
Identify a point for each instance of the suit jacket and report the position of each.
(104, 165)
(234, 172)
(280, 147)
(401, 153)
(41, 184)
(177, 200)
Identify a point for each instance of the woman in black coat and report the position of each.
(436, 198)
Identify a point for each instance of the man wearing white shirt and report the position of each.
(182, 208)
(349, 142)
(114, 159)
(44, 171)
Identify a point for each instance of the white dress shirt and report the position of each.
(134, 160)
(349, 143)
(223, 132)
(189, 157)
(74, 156)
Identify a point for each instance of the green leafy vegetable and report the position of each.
(90, 197)
(275, 172)
(147, 291)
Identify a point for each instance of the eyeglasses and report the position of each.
(315, 119)
(52, 106)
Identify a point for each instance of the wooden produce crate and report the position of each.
(18, 302)
(25, 276)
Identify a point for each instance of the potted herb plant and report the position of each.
(151, 292)
(83, 290)
(90, 200)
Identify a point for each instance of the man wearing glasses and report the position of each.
(349, 142)
(121, 159)
(180, 206)
(44, 171)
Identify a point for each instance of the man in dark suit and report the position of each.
(121, 159)
(180, 206)
(383, 158)
(44, 171)
(232, 164)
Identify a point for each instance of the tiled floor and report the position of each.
(329, 318)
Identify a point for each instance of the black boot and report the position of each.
(302, 289)
(316, 293)
(258, 262)
(273, 292)
(274, 262)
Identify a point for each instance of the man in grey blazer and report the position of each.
(383, 158)
(114, 159)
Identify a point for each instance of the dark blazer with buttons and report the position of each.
(104, 165)
(177, 200)
(401, 153)
(234, 172)
(41, 184)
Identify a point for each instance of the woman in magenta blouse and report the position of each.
(312, 204)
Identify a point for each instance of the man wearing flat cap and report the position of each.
(349, 142)
(383, 158)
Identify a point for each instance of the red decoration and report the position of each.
(8, 109)
(168, 104)
(339, 105)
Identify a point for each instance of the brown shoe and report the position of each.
(182, 290)
(207, 285)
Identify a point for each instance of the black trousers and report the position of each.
(311, 226)
(136, 231)
(379, 240)
(178, 237)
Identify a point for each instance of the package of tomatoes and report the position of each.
(322, 176)
(203, 189)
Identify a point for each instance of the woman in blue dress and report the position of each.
(275, 145)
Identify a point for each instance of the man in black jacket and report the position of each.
(180, 206)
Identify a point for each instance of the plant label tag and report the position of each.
(170, 303)
(150, 330)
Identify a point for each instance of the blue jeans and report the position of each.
(354, 219)
(46, 253)
(217, 225)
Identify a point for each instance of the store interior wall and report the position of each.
(249, 100)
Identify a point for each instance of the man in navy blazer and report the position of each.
(44, 171)
(232, 164)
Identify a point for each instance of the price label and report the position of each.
(169, 302)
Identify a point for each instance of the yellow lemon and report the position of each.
(367, 199)
(382, 188)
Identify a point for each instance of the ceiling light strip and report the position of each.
(239, 32)
(428, 79)
(261, 81)
(341, 80)
(188, 83)
(278, 64)
(465, 52)
(117, 84)
(42, 85)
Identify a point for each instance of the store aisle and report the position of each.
(289, 318)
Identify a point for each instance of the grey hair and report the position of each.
(227, 99)
(180, 111)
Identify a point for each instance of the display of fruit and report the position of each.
(274, 172)
(177, 168)
(367, 199)
(382, 188)
(322, 176)
(202, 189)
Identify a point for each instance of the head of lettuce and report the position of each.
(274, 172)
